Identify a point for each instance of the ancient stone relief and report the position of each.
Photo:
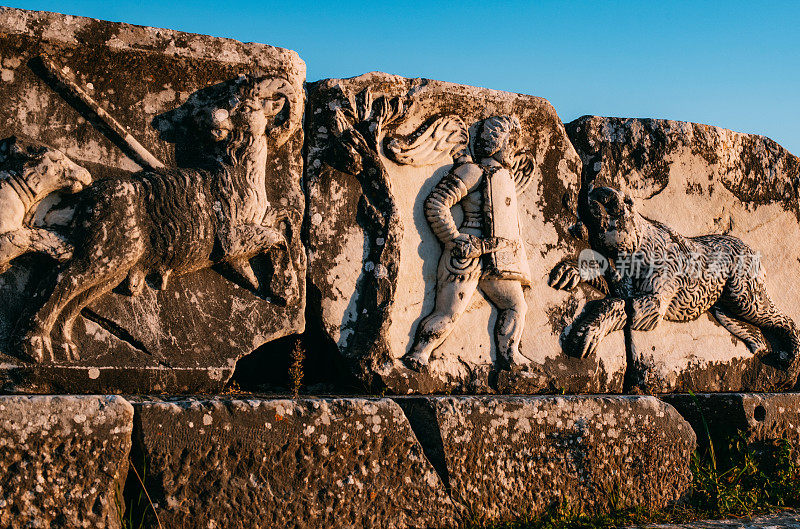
(486, 251)
(697, 180)
(171, 221)
(157, 221)
(172, 271)
(651, 273)
(434, 214)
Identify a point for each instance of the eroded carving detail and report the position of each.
(654, 273)
(29, 172)
(167, 221)
(359, 129)
(486, 251)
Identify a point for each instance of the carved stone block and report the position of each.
(288, 463)
(63, 461)
(762, 420)
(436, 213)
(526, 454)
(151, 204)
(721, 200)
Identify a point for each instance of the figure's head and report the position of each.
(42, 168)
(257, 106)
(498, 138)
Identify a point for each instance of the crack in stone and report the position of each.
(421, 416)
(121, 333)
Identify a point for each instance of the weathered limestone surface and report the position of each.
(387, 283)
(407, 462)
(288, 463)
(507, 456)
(416, 462)
(699, 180)
(181, 97)
(63, 461)
(782, 520)
(761, 419)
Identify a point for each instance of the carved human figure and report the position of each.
(486, 251)
(29, 172)
(174, 220)
(655, 273)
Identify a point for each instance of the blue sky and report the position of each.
(729, 63)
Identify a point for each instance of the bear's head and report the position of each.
(607, 217)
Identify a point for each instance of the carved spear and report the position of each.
(102, 119)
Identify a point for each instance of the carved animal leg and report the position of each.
(753, 339)
(136, 281)
(25, 240)
(75, 279)
(243, 268)
(74, 308)
(12, 245)
(648, 311)
(246, 241)
(597, 319)
(452, 299)
(163, 278)
(746, 298)
(564, 276)
(509, 299)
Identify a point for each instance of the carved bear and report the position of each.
(655, 273)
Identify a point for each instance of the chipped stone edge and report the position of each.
(64, 28)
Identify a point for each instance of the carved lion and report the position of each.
(174, 220)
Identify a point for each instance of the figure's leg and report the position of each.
(746, 298)
(752, 338)
(509, 299)
(597, 319)
(452, 298)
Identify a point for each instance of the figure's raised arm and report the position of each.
(456, 185)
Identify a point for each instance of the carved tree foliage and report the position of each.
(359, 127)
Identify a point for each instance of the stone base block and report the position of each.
(511, 456)
(288, 463)
(407, 462)
(762, 418)
(63, 461)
